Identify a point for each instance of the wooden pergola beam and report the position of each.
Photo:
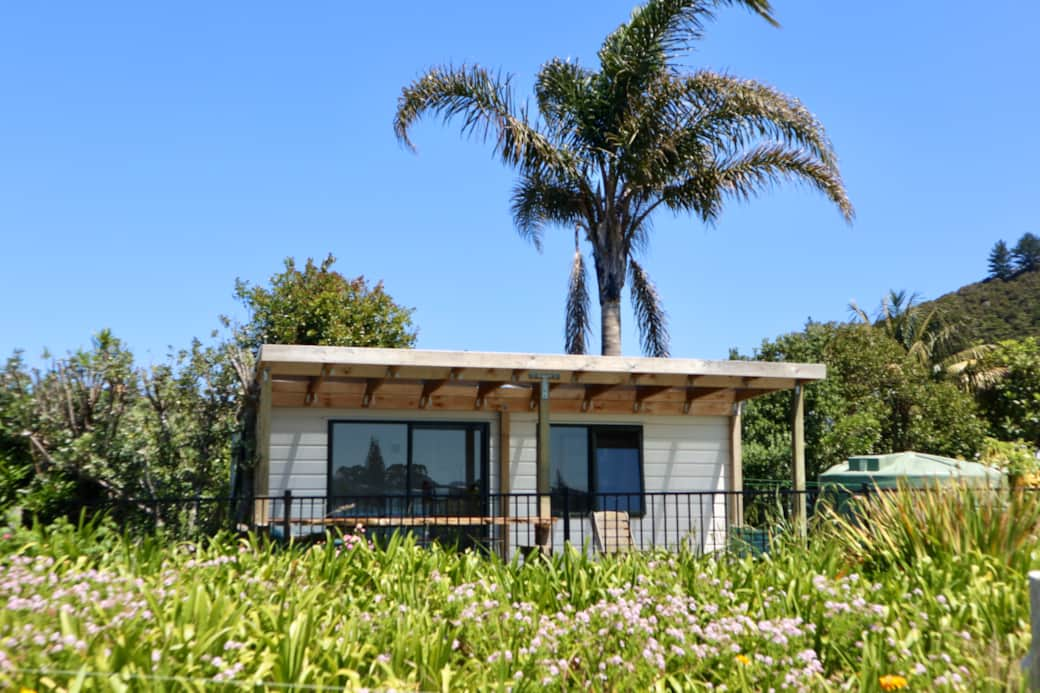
(307, 360)
(592, 392)
(485, 389)
(749, 392)
(695, 393)
(371, 386)
(536, 391)
(429, 387)
(315, 385)
(645, 391)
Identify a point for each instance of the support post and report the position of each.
(262, 471)
(736, 467)
(543, 530)
(503, 477)
(1031, 663)
(287, 515)
(798, 504)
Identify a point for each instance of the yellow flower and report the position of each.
(26, 690)
(743, 659)
(892, 682)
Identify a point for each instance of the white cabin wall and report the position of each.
(680, 453)
(299, 446)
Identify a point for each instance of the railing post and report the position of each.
(566, 514)
(287, 514)
(1031, 663)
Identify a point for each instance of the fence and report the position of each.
(702, 521)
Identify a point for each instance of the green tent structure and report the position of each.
(911, 469)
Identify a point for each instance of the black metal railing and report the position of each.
(702, 521)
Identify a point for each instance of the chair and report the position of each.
(611, 532)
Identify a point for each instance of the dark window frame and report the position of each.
(448, 424)
(594, 491)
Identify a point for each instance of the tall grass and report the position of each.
(930, 589)
(888, 529)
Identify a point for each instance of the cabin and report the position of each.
(508, 450)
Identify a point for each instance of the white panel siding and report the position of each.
(299, 443)
(680, 453)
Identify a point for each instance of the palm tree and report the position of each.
(609, 148)
(931, 339)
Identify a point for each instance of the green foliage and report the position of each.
(1016, 458)
(1012, 403)
(991, 311)
(609, 148)
(92, 427)
(877, 398)
(895, 530)
(1000, 262)
(321, 306)
(1027, 253)
(932, 589)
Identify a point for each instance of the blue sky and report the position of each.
(150, 155)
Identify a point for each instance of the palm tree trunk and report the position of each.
(610, 326)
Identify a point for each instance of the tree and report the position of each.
(930, 337)
(922, 331)
(1027, 253)
(91, 428)
(876, 399)
(1000, 262)
(610, 147)
(1011, 403)
(321, 306)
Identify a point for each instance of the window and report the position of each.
(598, 467)
(424, 468)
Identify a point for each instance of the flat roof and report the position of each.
(349, 377)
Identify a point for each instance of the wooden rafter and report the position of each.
(592, 392)
(485, 389)
(315, 385)
(695, 393)
(429, 387)
(748, 393)
(341, 376)
(371, 385)
(536, 393)
(645, 391)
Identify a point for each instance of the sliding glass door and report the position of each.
(421, 468)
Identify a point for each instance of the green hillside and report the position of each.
(995, 309)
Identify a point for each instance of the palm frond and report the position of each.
(660, 30)
(858, 312)
(720, 109)
(578, 319)
(485, 103)
(566, 97)
(970, 370)
(746, 174)
(540, 199)
(650, 315)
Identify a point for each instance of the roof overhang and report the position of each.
(359, 377)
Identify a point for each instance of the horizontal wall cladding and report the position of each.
(299, 442)
(680, 453)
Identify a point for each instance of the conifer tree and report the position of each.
(1027, 253)
(1000, 262)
